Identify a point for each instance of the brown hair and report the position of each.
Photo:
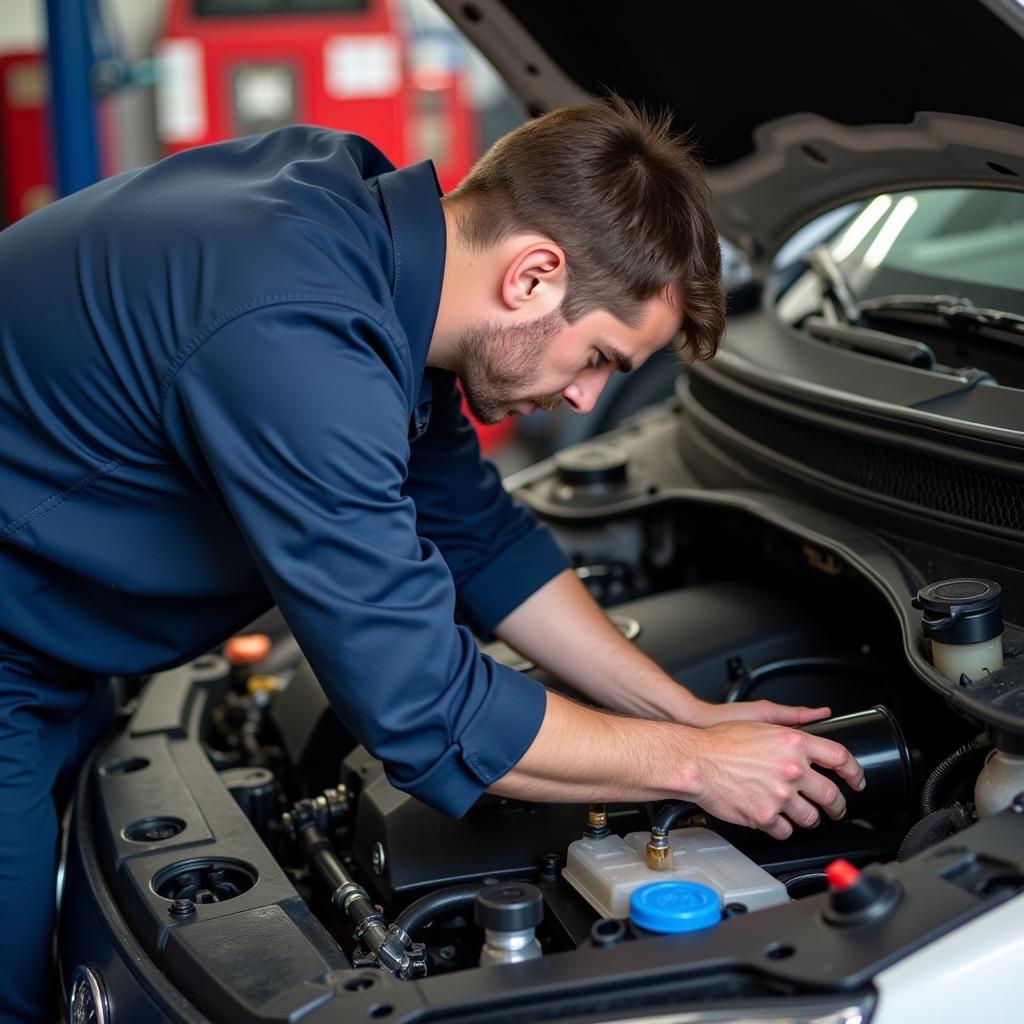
(623, 195)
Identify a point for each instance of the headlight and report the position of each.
(816, 1013)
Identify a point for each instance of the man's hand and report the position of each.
(761, 775)
(750, 773)
(703, 714)
(739, 763)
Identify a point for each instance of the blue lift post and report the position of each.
(72, 96)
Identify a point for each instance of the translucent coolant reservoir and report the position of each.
(605, 871)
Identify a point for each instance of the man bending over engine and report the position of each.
(229, 379)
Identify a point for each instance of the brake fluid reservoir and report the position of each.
(605, 872)
(1000, 781)
(964, 621)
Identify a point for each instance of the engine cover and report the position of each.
(402, 846)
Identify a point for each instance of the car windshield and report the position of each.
(959, 242)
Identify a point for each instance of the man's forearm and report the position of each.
(581, 755)
(563, 630)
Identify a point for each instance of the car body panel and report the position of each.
(795, 108)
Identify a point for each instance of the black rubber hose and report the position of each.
(456, 899)
(669, 815)
(935, 828)
(741, 688)
(931, 790)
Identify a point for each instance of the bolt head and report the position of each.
(549, 865)
(379, 859)
(181, 908)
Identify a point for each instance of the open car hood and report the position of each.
(795, 108)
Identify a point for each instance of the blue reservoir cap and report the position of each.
(672, 907)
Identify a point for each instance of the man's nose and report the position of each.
(582, 394)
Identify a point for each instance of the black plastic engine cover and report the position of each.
(693, 632)
(425, 849)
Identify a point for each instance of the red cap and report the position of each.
(841, 875)
(247, 648)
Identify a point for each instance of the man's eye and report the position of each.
(598, 360)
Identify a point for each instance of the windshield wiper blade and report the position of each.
(872, 343)
(951, 309)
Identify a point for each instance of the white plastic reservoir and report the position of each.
(605, 871)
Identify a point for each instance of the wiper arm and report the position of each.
(951, 309)
(849, 331)
(872, 343)
(820, 260)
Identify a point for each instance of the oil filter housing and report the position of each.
(876, 740)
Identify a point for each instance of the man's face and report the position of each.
(517, 368)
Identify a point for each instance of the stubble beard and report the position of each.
(500, 364)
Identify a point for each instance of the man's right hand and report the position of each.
(749, 773)
(760, 775)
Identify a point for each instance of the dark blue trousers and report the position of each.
(50, 716)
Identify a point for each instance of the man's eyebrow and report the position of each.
(622, 362)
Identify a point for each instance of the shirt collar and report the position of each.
(412, 206)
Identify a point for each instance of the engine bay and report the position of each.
(728, 640)
(286, 840)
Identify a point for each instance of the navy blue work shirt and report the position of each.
(213, 395)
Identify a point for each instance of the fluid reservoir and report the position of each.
(606, 872)
(1000, 781)
(964, 621)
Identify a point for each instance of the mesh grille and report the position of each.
(959, 490)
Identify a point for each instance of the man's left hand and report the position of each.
(703, 714)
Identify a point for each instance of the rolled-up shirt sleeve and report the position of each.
(294, 418)
(497, 551)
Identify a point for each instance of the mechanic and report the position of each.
(229, 379)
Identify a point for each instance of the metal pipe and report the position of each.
(72, 101)
(388, 945)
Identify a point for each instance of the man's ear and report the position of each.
(535, 279)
